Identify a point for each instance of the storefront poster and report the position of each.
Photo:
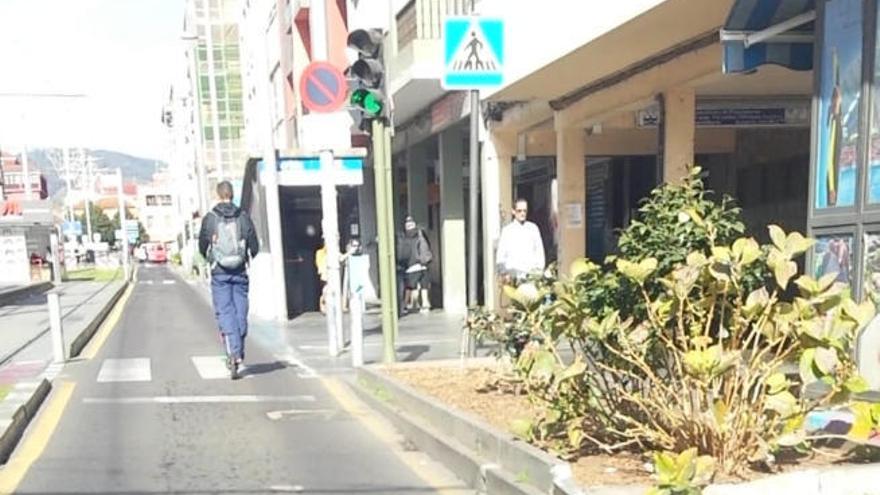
(834, 254)
(837, 157)
(874, 160)
(872, 266)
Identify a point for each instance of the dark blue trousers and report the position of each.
(230, 294)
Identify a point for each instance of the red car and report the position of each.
(156, 253)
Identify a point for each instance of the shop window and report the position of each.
(872, 266)
(840, 81)
(834, 254)
(874, 157)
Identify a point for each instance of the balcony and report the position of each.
(414, 67)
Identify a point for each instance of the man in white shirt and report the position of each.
(520, 248)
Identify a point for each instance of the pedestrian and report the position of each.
(417, 278)
(520, 249)
(321, 265)
(228, 241)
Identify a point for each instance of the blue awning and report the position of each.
(759, 32)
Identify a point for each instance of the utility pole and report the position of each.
(87, 189)
(330, 221)
(26, 172)
(65, 153)
(120, 201)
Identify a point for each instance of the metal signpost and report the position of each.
(473, 59)
(324, 90)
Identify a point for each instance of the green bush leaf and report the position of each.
(807, 359)
(826, 359)
(862, 313)
(777, 383)
(581, 267)
(856, 384)
(637, 271)
(783, 273)
(746, 250)
(576, 369)
(783, 403)
(863, 422)
(777, 235)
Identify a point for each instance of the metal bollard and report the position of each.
(58, 350)
(356, 306)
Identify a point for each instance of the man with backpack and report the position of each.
(228, 241)
(416, 256)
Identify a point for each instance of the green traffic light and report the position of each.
(367, 101)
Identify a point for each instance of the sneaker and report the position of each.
(425, 311)
(233, 372)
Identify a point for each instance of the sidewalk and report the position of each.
(26, 348)
(421, 337)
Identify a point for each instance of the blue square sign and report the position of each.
(473, 53)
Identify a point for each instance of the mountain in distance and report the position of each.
(134, 168)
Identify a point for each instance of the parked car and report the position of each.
(156, 253)
(140, 253)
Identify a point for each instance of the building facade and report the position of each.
(211, 27)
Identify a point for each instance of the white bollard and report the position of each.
(58, 350)
(356, 306)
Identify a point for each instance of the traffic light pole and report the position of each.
(385, 225)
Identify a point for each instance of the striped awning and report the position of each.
(759, 32)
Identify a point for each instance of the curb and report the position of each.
(79, 343)
(33, 393)
(25, 399)
(11, 295)
(484, 458)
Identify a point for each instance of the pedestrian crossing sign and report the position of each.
(473, 53)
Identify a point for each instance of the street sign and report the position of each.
(72, 228)
(323, 87)
(347, 171)
(473, 53)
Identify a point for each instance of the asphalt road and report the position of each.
(155, 412)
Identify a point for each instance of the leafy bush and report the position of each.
(686, 349)
(705, 368)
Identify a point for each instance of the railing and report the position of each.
(423, 19)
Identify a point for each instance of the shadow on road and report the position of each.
(263, 368)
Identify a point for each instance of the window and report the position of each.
(840, 82)
(874, 156)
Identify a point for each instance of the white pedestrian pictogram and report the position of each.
(474, 56)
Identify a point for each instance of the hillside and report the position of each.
(133, 168)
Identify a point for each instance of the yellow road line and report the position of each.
(443, 483)
(32, 447)
(109, 323)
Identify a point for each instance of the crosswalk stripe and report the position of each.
(211, 367)
(125, 370)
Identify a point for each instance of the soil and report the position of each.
(475, 391)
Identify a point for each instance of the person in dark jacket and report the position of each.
(228, 241)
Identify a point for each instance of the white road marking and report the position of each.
(147, 282)
(287, 488)
(211, 367)
(168, 282)
(199, 399)
(125, 370)
(303, 370)
(277, 415)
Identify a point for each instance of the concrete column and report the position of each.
(497, 164)
(452, 223)
(679, 128)
(368, 227)
(417, 184)
(571, 177)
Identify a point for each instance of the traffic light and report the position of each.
(368, 95)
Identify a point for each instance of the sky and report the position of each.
(120, 54)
